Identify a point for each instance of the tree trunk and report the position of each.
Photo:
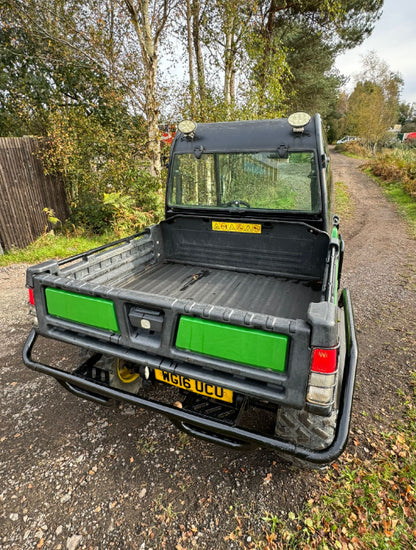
(152, 118)
(190, 56)
(148, 41)
(196, 8)
(267, 34)
(228, 69)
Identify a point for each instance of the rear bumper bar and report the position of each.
(213, 430)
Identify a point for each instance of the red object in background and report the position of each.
(167, 138)
(167, 133)
(412, 135)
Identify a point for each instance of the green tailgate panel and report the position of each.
(87, 310)
(253, 347)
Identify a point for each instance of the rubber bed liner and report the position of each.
(266, 294)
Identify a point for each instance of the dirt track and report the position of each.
(76, 475)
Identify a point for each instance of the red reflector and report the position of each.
(31, 297)
(324, 360)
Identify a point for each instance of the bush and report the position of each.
(354, 148)
(397, 165)
(100, 156)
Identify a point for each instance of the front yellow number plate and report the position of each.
(196, 386)
(233, 227)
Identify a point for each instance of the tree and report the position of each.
(313, 84)
(49, 60)
(407, 117)
(68, 74)
(197, 18)
(149, 22)
(323, 27)
(336, 120)
(258, 50)
(215, 31)
(62, 54)
(72, 44)
(373, 106)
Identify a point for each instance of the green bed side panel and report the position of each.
(87, 310)
(252, 347)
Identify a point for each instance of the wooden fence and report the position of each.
(24, 193)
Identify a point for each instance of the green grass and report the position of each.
(342, 202)
(395, 193)
(407, 205)
(53, 246)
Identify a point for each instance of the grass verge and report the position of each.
(395, 193)
(53, 246)
(342, 201)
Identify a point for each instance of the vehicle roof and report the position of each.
(247, 135)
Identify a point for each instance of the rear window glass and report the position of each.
(261, 180)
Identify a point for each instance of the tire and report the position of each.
(306, 429)
(110, 364)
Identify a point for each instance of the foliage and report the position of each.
(66, 75)
(125, 216)
(266, 97)
(407, 117)
(313, 84)
(397, 166)
(293, 47)
(97, 155)
(272, 56)
(87, 76)
(353, 149)
(395, 171)
(44, 64)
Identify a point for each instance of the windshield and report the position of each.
(261, 180)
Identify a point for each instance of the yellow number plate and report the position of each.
(234, 227)
(196, 386)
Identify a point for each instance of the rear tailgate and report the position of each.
(254, 354)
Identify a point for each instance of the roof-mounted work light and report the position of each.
(298, 121)
(187, 127)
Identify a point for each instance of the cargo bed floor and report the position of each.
(251, 292)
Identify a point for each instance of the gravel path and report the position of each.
(75, 475)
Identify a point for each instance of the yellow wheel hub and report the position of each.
(125, 374)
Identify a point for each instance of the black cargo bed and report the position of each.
(268, 294)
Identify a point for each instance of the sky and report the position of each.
(394, 41)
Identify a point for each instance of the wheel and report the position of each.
(306, 429)
(121, 375)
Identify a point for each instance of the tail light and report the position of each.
(324, 364)
(32, 309)
(324, 360)
(31, 297)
